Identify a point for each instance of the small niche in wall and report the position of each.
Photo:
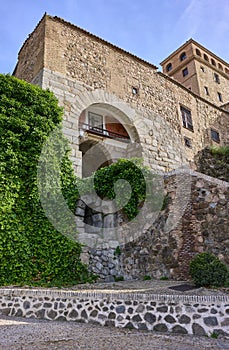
(188, 142)
(134, 90)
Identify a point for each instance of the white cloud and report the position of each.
(190, 20)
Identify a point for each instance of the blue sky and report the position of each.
(150, 29)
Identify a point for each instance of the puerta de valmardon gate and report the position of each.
(117, 105)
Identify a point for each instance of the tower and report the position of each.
(199, 70)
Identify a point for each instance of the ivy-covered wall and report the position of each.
(32, 251)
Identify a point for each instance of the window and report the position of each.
(213, 62)
(226, 71)
(186, 118)
(220, 66)
(169, 67)
(198, 52)
(206, 57)
(95, 120)
(187, 142)
(220, 97)
(206, 90)
(216, 78)
(134, 90)
(183, 56)
(202, 69)
(185, 72)
(215, 135)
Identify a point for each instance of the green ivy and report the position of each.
(32, 251)
(117, 251)
(140, 179)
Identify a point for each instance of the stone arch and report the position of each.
(115, 115)
(108, 144)
(100, 98)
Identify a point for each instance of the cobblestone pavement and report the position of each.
(151, 286)
(31, 334)
(139, 286)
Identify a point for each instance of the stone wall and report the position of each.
(194, 219)
(78, 66)
(161, 149)
(213, 164)
(161, 313)
(32, 54)
(201, 225)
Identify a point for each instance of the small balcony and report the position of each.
(97, 130)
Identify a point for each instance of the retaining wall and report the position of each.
(194, 220)
(198, 315)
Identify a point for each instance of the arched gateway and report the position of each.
(104, 137)
(105, 131)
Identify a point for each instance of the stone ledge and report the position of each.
(108, 294)
(187, 171)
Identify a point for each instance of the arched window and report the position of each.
(213, 62)
(220, 66)
(183, 56)
(206, 57)
(169, 67)
(198, 52)
(226, 71)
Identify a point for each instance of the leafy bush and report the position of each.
(146, 278)
(31, 249)
(164, 278)
(143, 186)
(207, 270)
(118, 278)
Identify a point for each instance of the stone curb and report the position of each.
(106, 294)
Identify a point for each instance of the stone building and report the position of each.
(118, 105)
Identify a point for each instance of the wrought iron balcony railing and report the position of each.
(103, 132)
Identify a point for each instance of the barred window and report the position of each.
(95, 120)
